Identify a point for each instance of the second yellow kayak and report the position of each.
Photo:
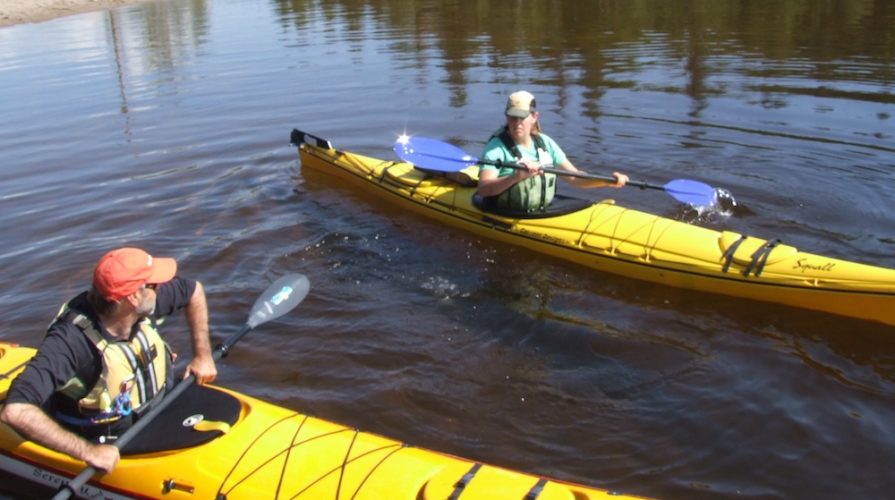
(611, 238)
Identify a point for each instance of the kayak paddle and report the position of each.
(279, 298)
(432, 154)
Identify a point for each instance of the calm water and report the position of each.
(165, 125)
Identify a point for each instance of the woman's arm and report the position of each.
(620, 178)
(491, 185)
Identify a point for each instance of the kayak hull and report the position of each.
(274, 452)
(614, 239)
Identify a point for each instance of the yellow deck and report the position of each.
(635, 244)
(273, 452)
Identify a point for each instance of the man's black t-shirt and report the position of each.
(66, 352)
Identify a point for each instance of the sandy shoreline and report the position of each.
(35, 11)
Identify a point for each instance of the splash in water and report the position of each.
(723, 205)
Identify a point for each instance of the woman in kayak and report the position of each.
(522, 142)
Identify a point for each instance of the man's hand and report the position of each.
(203, 368)
(102, 456)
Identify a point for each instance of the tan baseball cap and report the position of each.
(520, 104)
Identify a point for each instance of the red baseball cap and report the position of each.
(123, 271)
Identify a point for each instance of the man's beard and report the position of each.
(146, 308)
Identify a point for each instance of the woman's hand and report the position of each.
(620, 179)
(532, 168)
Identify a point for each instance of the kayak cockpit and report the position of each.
(200, 415)
(561, 205)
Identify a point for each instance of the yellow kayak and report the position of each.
(607, 237)
(265, 451)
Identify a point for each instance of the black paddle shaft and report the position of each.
(567, 173)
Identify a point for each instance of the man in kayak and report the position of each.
(102, 363)
(521, 141)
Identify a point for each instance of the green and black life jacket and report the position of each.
(533, 194)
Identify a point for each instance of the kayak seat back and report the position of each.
(180, 425)
(561, 205)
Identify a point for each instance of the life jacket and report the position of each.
(535, 193)
(134, 372)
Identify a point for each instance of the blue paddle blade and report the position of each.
(691, 192)
(432, 154)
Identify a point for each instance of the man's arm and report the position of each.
(32, 423)
(63, 350)
(202, 365)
